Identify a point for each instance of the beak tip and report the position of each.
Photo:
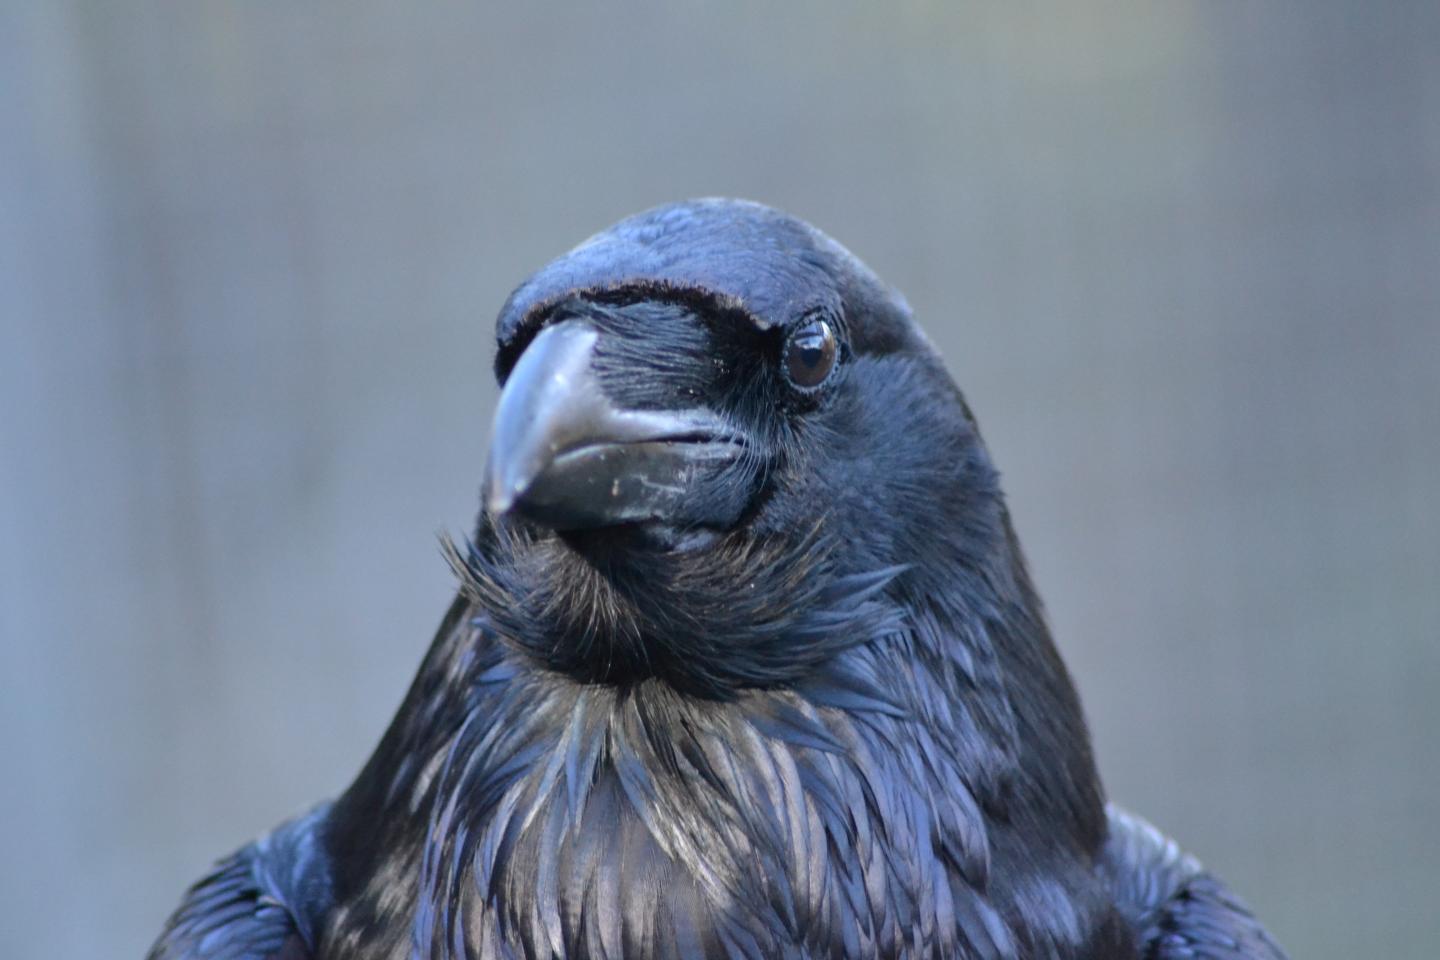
(499, 496)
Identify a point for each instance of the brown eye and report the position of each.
(810, 354)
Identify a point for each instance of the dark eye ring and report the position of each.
(810, 354)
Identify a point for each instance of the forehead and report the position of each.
(728, 255)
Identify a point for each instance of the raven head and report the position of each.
(721, 444)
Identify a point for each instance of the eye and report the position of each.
(810, 354)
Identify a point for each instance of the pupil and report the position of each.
(811, 354)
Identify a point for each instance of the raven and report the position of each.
(745, 661)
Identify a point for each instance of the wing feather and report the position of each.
(259, 903)
(1176, 909)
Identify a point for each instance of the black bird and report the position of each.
(745, 661)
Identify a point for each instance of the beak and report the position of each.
(564, 455)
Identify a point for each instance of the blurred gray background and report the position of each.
(1183, 257)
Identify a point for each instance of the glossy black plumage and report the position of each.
(808, 709)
